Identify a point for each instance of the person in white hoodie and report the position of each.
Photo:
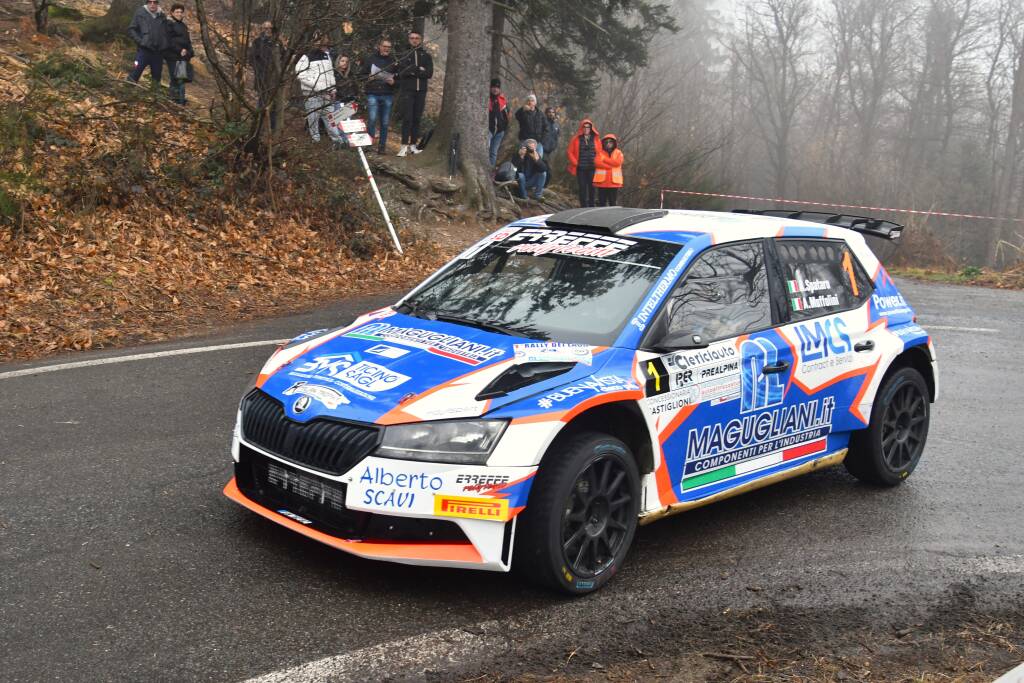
(315, 70)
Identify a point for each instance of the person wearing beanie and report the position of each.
(497, 119)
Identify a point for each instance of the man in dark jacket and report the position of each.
(179, 49)
(380, 71)
(531, 169)
(531, 122)
(414, 69)
(497, 119)
(267, 56)
(149, 31)
(551, 132)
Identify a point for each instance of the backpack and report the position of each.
(507, 171)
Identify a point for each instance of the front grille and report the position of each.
(321, 501)
(324, 444)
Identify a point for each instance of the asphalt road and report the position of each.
(121, 560)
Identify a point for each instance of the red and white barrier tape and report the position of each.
(841, 206)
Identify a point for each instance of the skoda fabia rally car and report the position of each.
(572, 376)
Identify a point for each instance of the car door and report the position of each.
(827, 325)
(704, 404)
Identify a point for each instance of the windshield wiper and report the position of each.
(488, 325)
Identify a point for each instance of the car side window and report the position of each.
(724, 294)
(821, 277)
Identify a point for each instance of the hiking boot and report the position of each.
(414, 149)
(405, 150)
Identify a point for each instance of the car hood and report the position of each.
(390, 368)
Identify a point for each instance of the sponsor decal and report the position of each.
(386, 489)
(307, 335)
(584, 585)
(387, 351)
(541, 241)
(291, 515)
(475, 249)
(332, 368)
(677, 380)
(306, 486)
(889, 304)
(760, 390)
(665, 282)
(481, 482)
(471, 508)
(824, 344)
(446, 345)
(553, 352)
(326, 395)
(372, 377)
(727, 445)
(905, 332)
(596, 385)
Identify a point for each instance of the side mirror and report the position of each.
(677, 341)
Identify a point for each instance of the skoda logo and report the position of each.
(301, 403)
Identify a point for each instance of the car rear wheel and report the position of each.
(889, 449)
(581, 515)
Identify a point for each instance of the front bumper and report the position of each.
(396, 510)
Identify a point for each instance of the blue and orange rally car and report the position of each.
(572, 376)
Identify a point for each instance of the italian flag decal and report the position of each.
(798, 304)
(705, 478)
(794, 286)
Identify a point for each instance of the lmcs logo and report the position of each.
(760, 390)
(820, 340)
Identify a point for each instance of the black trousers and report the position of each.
(585, 183)
(413, 102)
(606, 196)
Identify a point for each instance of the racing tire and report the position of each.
(888, 450)
(581, 515)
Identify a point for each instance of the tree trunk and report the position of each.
(113, 24)
(497, 33)
(42, 14)
(1011, 161)
(464, 103)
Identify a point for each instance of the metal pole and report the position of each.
(380, 201)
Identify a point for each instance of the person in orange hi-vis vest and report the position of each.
(582, 152)
(608, 175)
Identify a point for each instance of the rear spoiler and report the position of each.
(876, 227)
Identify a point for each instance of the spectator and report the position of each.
(380, 69)
(531, 122)
(316, 76)
(346, 88)
(608, 176)
(414, 69)
(266, 54)
(497, 119)
(531, 169)
(551, 131)
(149, 31)
(179, 49)
(582, 153)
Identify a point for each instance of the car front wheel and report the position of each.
(889, 449)
(581, 515)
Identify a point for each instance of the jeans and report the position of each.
(585, 185)
(176, 89)
(316, 111)
(378, 107)
(151, 58)
(534, 182)
(606, 196)
(495, 145)
(413, 103)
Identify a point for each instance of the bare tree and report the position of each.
(773, 50)
(41, 13)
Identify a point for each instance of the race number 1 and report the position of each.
(657, 378)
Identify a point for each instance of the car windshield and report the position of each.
(545, 283)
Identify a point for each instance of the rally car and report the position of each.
(574, 375)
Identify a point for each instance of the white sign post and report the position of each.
(355, 130)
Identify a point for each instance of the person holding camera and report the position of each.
(531, 169)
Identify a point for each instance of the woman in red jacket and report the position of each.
(608, 175)
(583, 151)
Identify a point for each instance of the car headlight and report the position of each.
(462, 442)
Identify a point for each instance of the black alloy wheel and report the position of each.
(904, 427)
(581, 514)
(596, 518)
(888, 450)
